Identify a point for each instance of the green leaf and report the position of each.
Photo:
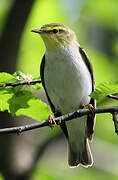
(24, 102)
(21, 101)
(104, 89)
(36, 109)
(17, 73)
(5, 95)
(37, 86)
(20, 76)
(6, 77)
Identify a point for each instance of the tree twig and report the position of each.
(39, 81)
(21, 83)
(81, 112)
(112, 97)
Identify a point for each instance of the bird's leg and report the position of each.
(51, 120)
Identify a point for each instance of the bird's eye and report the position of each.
(55, 31)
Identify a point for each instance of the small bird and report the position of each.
(67, 77)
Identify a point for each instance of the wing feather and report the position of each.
(91, 117)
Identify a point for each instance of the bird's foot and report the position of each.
(51, 120)
(90, 107)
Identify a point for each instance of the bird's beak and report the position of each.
(36, 31)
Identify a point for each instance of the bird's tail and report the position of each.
(81, 156)
(79, 150)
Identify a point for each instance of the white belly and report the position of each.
(67, 80)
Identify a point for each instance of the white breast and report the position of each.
(67, 80)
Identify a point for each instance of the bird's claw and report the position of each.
(90, 107)
(51, 121)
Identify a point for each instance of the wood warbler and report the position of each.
(67, 77)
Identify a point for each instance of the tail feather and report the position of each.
(79, 151)
(82, 156)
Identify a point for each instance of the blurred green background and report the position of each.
(96, 25)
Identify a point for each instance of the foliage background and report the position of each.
(95, 23)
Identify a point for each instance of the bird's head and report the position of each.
(56, 35)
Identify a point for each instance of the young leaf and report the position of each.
(5, 95)
(36, 109)
(6, 77)
(37, 86)
(20, 76)
(104, 89)
(21, 100)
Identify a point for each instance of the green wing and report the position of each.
(91, 118)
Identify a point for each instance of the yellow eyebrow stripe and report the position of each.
(50, 28)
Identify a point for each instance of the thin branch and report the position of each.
(113, 97)
(81, 112)
(39, 81)
(21, 83)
